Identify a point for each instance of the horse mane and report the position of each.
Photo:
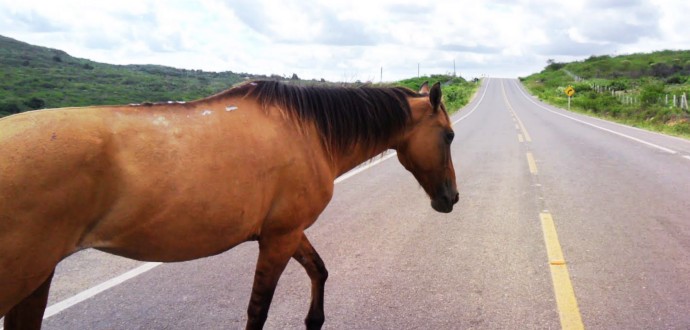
(344, 116)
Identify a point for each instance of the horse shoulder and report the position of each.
(304, 180)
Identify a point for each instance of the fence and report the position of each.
(632, 98)
(627, 98)
(678, 101)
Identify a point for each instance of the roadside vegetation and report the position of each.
(456, 91)
(636, 90)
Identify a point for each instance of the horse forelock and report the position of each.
(344, 116)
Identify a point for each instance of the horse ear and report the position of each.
(425, 88)
(435, 96)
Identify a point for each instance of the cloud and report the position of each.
(479, 49)
(301, 22)
(29, 21)
(562, 44)
(343, 32)
(252, 13)
(619, 21)
(344, 38)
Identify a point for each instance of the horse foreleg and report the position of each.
(28, 314)
(312, 263)
(274, 254)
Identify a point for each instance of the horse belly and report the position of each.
(179, 224)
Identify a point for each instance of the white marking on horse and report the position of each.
(206, 112)
(161, 121)
(231, 108)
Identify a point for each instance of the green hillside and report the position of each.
(635, 89)
(33, 77)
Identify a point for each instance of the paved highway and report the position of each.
(563, 221)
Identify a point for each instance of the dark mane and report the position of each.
(345, 116)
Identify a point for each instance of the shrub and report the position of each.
(676, 80)
(651, 92)
(35, 103)
(9, 108)
(618, 85)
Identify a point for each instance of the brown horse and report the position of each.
(256, 162)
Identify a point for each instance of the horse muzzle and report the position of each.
(444, 202)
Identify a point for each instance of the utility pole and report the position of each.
(453, 67)
(381, 74)
(417, 70)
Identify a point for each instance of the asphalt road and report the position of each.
(619, 199)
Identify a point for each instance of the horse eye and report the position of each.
(449, 137)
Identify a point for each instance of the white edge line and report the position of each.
(642, 130)
(476, 105)
(364, 168)
(84, 295)
(599, 127)
(686, 157)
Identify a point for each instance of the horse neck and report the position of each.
(345, 161)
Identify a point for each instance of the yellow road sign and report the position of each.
(569, 91)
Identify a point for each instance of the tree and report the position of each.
(552, 65)
(9, 108)
(35, 103)
(651, 92)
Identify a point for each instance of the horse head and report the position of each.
(425, 148)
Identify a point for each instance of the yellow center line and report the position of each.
(532, 164)
(568, 310)
(566, 302)
(524, 130)
(515, 116)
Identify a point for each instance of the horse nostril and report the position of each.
(457, 198)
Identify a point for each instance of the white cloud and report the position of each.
(346, 39)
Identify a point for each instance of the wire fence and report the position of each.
(671, 100)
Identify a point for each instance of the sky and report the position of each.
(349, 40)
